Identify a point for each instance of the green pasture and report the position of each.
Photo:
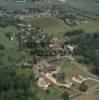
(4, 40)
(57, 27)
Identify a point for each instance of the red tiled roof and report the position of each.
(51, 59)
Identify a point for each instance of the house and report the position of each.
(51, 59)
(69, 47)
(13, 36)
(55, 43)
(43, 67)
(43, 82)
(48, 69)
(78, 79)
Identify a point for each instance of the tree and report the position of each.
(61, 77)
(83, 87)
(96, 70)
(65, 96)
(74, 32)
(87, 50)
(2, 46)
(47, 91)
(14, 85)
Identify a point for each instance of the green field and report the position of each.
(91, 83)
(49, 24)
(53, 94)
(57, 27)
(4, 40)
(70, 69)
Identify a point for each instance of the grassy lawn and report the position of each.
(88, 27)
(4, 40)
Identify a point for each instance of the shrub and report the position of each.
(83, 87)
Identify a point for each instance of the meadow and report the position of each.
(4, 40)
(53, 94)
(70, 69)
(57, 27)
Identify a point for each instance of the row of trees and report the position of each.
(74, 33)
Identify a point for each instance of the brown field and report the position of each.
(85, 97)
(97, 94)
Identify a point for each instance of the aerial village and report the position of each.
(45, 70)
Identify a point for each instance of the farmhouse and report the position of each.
(43, 82)
(55, 43)
(69, 47)
(51, 59)
(78, 78)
